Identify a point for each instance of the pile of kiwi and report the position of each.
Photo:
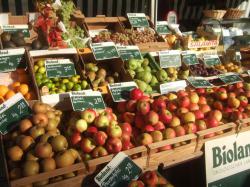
(11, 40)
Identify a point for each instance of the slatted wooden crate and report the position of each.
(243, 125)
(217, 132)
(182, 148)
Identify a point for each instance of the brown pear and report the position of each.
(30, 168)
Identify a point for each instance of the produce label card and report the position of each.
(105, 50)
(189, 58)
(12, 111)
(11, 59)
(171, 58)
(15, 28)
(227, 161)
(128, 52)
(199, 82)
(230, 78)
(119, 172)
(60, 68)
(211, 60)
(120, 91)
(82, 100)
(172, 86)
(162, 27)
(238, 56)
(138, 19)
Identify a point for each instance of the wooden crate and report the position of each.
(137, 154)
(79, 169)
(243, 125)
(160, 45)
(186, 149)
(203, 136)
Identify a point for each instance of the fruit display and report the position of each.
(107, 36)
(148, 74)
(150, 178)
(37, 145)
(98, 133)
(57, 85)
(142, 36)
(229, 67)
(101, 74)
(12, 40)
(201, 70)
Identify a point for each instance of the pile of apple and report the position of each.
(150, 178)
(37, 146)
(97, 133)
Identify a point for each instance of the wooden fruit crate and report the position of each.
(160, 45)
(186, 149)
(137, 154)
(243, 125)
(79, 169)
(220, 131)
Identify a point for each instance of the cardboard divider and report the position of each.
(182, 147)
(214, 133)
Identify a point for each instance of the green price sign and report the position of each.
(212, 60)
(119, 172)
(120, 91)
(199, 82)
(59, 68)
(162, 27)
(11, 59)
(170, 58)
(86, 99)
(105, 50)
(12, 111)
(14, 28)
(138, 19)
(190, 59)
(128, 52)
(230, 78)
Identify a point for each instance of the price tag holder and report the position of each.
(128, 52)
(138, 19)
(118, 172)
(60, 68)
(11, 59)
(162, 27)
(120, 91)
(105, 50)
(12, 111)
(171, 58)
(237, 56)
(199, 82)
(189, 58)
(82, 100)
(230, 78)
(172, 86)
(211, 60)
(15, 28)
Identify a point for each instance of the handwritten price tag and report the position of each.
(105, 50)
(199, 82)
(230, 78)
(138, 19)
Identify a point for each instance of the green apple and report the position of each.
(40, 63)
(36, 67)
(64, 81)
(77, 87)
(69, 85)
(42, 70)
(84, 84)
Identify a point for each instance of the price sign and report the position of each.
(172, 86)
(15, 28)
(105, 50)
(120, 91)
(162, 27)
(199, 82)
(128, 52)
(86, 99)
(138, 19)
(60, 68)
(211, 60)
(190, 59)
(119, 172)
(237, 56)
(11, 59)
(12, 111)
(230, 78)
(170, 58)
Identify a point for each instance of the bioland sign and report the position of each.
(228, 161)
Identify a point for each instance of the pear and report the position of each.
(147, 76)
(147, 68)
(153, 81)
(133, 64)
(142, 85)
(162, 75)
(91, 67)
(131, 73)
(140, 69)
(149, 89)
(145, 62)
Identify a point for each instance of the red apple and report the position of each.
(89, 115)
(231, 94)
(201, 125)
(150, 178)
(165, 116)
(81, 125)
(114, 145)
(127, 145)
(239, 91)
(180, 131)
(190, 128)
(143, 107)
(184, 102)
(169, 133)
(215, 114)
(243, 101)
(182, 93)
(200, 91)
(92, 130)
(126, 128)
(149, 128)
(212, 122)
(194, 98)
(145, 139)
(128, 117)
(172, 106)
(188, 117)
(221, 94)
(205, 108)
(125, 137)
(102, 121)
(87, 145)
(158, 105)
(233, 102)
(135, 183)
(202, 100)
(99, 151)
(236, 115)
(75, 138)
(139, 121)
(218, 105)
(157, 136)
(121, 107)
(181, 111)
(198, 114)
(159, 126)
(114, 131)
(175, 122)
(193, 107)
(152, 117)
(131, 105)
(136, 94)
(100, 138)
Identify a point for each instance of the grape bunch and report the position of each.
(201, 70)
(106, 36)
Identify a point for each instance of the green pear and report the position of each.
(91, 67)
(145, 62)
(140, 69)
(147, 68)
(162, 75)
(133, 64)
(142, 85)
(131, 73)
(153, 81)
(147, 76)
(149, 89)
(139, 75)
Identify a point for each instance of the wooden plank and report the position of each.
(72, 182)
(216, 129)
